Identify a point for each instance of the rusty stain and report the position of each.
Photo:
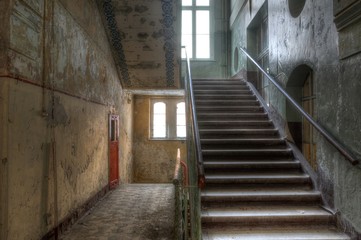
(140, 8)
(125, 10)
(147, 48)
(143, 35)
(157, 34)
(143, 20)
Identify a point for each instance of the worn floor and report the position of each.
(131, 212)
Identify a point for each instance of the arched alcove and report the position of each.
(296, 7)
(300, 87)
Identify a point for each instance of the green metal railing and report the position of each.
(181, 195)
(194, 157)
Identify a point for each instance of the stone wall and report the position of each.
(58, 85)
(154, 160)
(311, 39)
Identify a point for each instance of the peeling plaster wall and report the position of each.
(58, 88)
(312, 39)
(154, 160)
(145, 40)
(4, 33)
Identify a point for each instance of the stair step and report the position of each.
(221, 124)
(247, 152)
(284, 232)
(252, 164)
(233, 133)
(227, 103)
(261, 178)
(232, 116)
(237, 143)
(225, 87)
(267, 215)
(217, 91)
(213, 109)
(218, 82)
(225, 196)
(226, 97)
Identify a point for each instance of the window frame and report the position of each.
(194, 9)
(171, 118)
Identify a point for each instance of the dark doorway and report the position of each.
(301, 87)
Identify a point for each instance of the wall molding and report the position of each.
(348, 16)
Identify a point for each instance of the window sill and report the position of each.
(199, 60)
(167, 139)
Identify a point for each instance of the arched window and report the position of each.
(167, 119)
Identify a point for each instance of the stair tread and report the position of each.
(258, 192)
(274, 233)
(253, 175)
(251, 163)
(239, 130)
(231, 140)
(265, 210)
(233, 113)
(234, 121)
(246, 150)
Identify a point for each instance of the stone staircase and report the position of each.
(255, 188)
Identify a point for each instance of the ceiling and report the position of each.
(145, 43)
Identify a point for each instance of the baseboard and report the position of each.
(76, 215)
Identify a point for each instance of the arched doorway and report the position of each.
(301, 87)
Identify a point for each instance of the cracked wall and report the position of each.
(58, 85)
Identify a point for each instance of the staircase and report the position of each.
(255, 188)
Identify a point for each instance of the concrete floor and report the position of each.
(131, 212)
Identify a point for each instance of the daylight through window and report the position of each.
(196, 28)
(168, 119)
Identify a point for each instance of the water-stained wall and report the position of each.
(58, 85)
(154, 160)
(145, 41)
(332, 51)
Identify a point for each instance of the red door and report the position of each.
(113, 151)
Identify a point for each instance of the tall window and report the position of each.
(181, 120)
(197, 28)
(167, 119)
(159, 120)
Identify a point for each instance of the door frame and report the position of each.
(113, 142)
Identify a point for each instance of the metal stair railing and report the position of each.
(345, 152)
(194, 156)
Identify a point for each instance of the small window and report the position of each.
(167, 119)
